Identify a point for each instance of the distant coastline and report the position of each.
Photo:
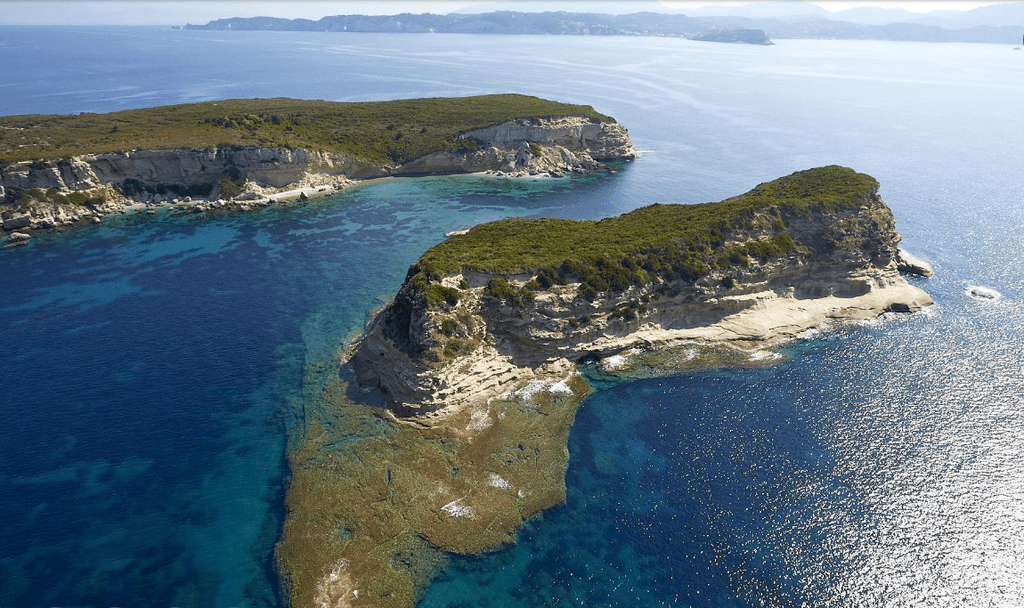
(726, 28)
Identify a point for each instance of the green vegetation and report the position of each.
(436, 295)
(31, 195)
(666, 241)
(501, 289)
(376, 132)
(827, 188)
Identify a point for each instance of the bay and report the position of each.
(153, 365)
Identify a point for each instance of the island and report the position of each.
(755, 23)
(57, 171)
(506, 23)
(445, 424)
(736, 36)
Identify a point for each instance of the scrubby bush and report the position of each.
(501, 289)
(448, 326)
(230, 188)
(659, 244)
(437, 294)
(363, 130)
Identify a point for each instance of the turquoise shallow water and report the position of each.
(160, 367)
(152, 365)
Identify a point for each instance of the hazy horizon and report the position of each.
(165, 13)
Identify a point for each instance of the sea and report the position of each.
(151, 366)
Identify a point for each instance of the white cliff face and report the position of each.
(845, 267)
(276, 167)
(545, 339)
(111, 181)
(531, 146)
(599, 140)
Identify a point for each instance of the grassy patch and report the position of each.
(376, 132)
(668, 241)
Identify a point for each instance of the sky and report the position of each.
(180, 12)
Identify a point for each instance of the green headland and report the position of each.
(476, 361)
(376, 132)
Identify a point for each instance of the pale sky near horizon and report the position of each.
(166, 12)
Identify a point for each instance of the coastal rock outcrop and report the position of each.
(47, 192)
(448, 423)
(770, 268)
(530, 146)
(17, 238)
(18, 221)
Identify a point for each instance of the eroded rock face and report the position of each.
(276, 167)
(18, 221)
(480, 369)
(526, 146)
(600, 140)
(845, 265)
(531, 146)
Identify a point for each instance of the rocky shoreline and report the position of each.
(471, 378)
(56, 194)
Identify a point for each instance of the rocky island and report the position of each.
(448, 423)
(62, 170)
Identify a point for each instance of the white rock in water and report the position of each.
(909, 264)
(982, 293)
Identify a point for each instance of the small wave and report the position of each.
(813, 333)
(982, 293)
(612, 363)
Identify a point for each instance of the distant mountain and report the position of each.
(785, 9)
(873, 15)
(592, 24)
(604, 7)
(996, 15)
(1003, 24)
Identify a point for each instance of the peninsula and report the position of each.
(62, 170)
(755, 23)
(448, 423)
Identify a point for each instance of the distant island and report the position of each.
(999, 27)
(61, 170)
(503, 22)
(447, 425)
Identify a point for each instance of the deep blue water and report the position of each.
(152, 365)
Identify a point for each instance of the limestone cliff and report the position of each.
(773, 265)
(476, 359)
(531, 146)
(50, 192)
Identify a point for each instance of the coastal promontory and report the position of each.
(447, 425)
(61, 170)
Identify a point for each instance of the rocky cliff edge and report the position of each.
(43, 194)
(477, 361)
(763, 274)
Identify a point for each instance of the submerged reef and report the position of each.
(446, 424)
